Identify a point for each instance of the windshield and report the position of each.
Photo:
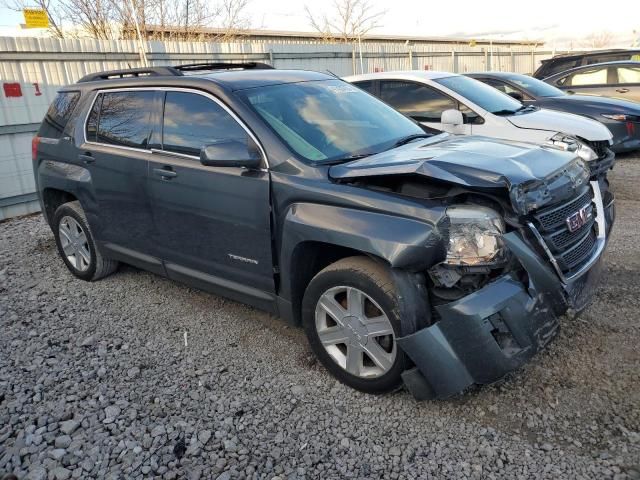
(536, 87)
(324, 121)
(481, 94)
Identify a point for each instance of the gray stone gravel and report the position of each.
(96, 382)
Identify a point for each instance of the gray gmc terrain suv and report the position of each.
(433, 260)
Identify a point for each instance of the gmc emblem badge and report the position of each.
(578, 219)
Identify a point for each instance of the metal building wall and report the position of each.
(33, 69)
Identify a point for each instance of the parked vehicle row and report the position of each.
(437, 260)
(461, 105)
(621, 117)
(562, 63)
(612, 79)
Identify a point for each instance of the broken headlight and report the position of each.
(475, 236)
(572, 144)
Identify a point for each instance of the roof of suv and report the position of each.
(243, 79)
(590, 53)
(237, 79)
(569, 71)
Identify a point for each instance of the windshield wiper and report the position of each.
(410, 138)
(504, 112)
(336, 161)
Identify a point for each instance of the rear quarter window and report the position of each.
(58, 115)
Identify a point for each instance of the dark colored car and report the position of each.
(621, 117)
(613, 79)
(436, 260)
(561, 63)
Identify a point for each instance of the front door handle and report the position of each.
(86, 158)
(622, 90)
(166, 173)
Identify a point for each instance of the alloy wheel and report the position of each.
(74, 243)
(355, 332)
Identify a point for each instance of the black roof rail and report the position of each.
(173, 71)
(131, 72)
(197, 67)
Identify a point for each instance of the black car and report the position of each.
(436, 260)
(620, 116)
(612, 79)
(561, 63)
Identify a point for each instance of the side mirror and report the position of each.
(231, 153)
(517, 95)
(452, 121)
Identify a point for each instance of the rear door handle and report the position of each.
(166, 173)
(86, 158)
(622, 90)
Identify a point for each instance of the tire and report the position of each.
(350, 361)
(76, 244)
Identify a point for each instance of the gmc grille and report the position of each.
(570, 249)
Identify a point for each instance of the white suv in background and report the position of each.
(461, 105)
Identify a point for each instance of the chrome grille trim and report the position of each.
(554, 217)
(600, 239)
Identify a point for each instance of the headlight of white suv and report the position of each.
(475, 236)
(572, 144)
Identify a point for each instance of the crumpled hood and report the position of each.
(523, 169)
(563, 122)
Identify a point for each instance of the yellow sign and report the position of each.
(35, 18)
(472, 43)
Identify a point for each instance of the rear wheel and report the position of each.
(76, 244)
(351, 318)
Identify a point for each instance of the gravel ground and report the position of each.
(137, 377)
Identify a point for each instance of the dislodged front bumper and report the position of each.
(487, 334)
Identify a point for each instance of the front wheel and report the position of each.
(351, 318)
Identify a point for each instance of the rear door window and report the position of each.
(192, 121)
(417, 101)
(628, 74)
(59, 114)
(367, 86)
(594, 76)
(505, 88)
(123, 118)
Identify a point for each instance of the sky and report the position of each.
(554, 21)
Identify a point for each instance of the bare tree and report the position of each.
(52, 9)
(161, 19)
(95, 18)
(601, 39)
(348, 20)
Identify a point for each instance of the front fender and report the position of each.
(404, 243)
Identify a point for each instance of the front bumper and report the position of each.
(495, 330)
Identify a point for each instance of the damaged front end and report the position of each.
(529, 277)
(525, 229)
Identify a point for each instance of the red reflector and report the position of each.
(35, 141)
(631, 128)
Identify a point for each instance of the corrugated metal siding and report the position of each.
(42, 65)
